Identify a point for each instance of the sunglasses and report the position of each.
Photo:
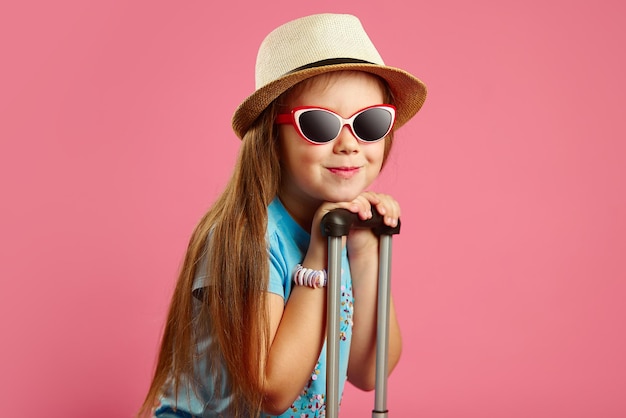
(320, 126)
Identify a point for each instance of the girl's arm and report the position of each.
(299, 330)
(363, 253)
(297, 333)
(362, 363)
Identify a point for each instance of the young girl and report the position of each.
(245, 334)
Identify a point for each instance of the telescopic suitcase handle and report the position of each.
(338, 222)
(335, 225)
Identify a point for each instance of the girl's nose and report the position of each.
(346, 142)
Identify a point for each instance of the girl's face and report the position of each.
(340, 170)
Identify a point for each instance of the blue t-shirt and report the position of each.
(287, 246)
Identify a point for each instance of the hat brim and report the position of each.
(408, 91)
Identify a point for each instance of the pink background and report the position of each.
(509, 274)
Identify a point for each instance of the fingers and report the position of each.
(385, 204)
(362, 205)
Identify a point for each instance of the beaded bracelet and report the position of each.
(303, 276)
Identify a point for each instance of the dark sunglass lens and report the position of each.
(373, 124)
(319, 126)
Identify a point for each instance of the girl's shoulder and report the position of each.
(281, 224)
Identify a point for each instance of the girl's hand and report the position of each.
(364, 240)
(358, 240)
(384, 204)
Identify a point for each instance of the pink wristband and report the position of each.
(303, 276)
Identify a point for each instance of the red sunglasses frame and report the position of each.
(292, 118)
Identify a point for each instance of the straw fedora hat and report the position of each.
(312, 45)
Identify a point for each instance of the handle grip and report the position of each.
(338, 222)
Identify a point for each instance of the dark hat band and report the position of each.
(330, 61)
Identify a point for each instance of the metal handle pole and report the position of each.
(332, 340)
(382, 330)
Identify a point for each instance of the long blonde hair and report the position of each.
(234, 304)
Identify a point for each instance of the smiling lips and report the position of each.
(344, 172)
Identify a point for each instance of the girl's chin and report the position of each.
(343, 197)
